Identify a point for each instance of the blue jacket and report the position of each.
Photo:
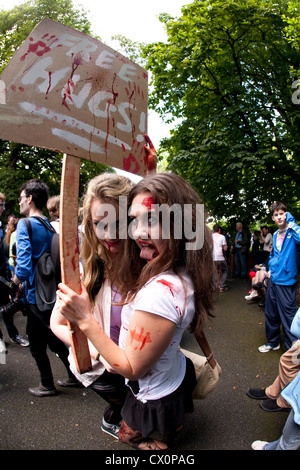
(284, 264)
(291, 393)
(28, 251)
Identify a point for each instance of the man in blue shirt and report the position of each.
(33, 197)
(241, 244)
(280, 305)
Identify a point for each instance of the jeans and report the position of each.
(222, 270)
(240, 263)
(290, 438)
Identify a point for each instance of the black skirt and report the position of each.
(162, 415)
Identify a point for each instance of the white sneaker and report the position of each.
(252, 295)
(259, 445)
(3, 349)
(111, 429)
(20, 340)
(266, 348)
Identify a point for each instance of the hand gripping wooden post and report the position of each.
(69, 251)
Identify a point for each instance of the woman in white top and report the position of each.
(170, 285)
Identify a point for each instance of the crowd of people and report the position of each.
(140, 293)
(274, 277)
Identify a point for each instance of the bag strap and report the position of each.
(40, 219)
(203, 343)
(43, 221)
(28, 226)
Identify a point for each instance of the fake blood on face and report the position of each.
(148, 202)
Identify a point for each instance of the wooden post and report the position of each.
(69, 251)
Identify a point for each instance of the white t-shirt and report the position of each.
(268, 241)
(163, 295)
(219, 241)
(55, 225)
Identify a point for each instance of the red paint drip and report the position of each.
(49, 86)
(179, 309)
(115, 94)
(70, 84)
(107, 127)
(168, 284)
(73, 263)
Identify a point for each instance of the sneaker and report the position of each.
(252, 295)
(3, 349)
(271, 405)
(259, 445)
(266, 348)
(257, 393)
(20, 340)
(111, 429)
(223, 289)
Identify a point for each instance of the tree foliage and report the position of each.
(226, 73)
(18, 162)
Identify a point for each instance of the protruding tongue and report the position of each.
(148, 252)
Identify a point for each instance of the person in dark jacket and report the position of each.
(7, 308)
(241, 246)
(33, 197)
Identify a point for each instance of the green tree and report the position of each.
(292, 19)
(18, 162)
(226, 73)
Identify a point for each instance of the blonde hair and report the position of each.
(107, 187)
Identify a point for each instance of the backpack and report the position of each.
(47, 273)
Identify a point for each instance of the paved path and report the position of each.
(226, 420)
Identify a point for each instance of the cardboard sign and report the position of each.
(67, 92)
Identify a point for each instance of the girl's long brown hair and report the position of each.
(167, 188)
